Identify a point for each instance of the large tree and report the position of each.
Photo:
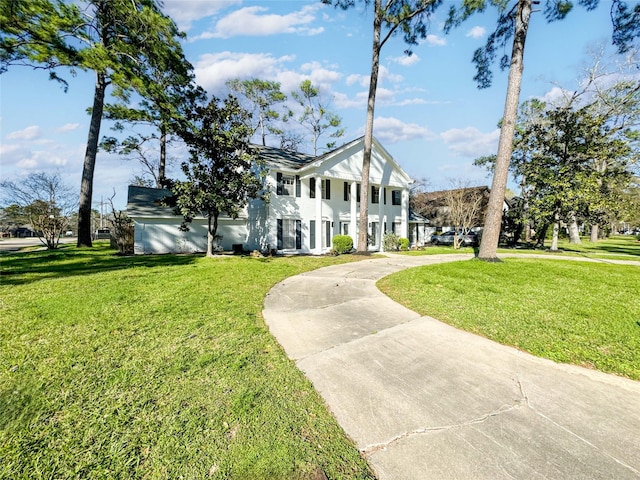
(409, 17)
(222, 172)
(513, 22)
(124, 42)
(315, 116)
(45, 201)
(261, 100)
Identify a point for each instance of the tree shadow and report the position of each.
(69, 261)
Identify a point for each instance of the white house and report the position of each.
(311, 199)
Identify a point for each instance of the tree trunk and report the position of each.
(541, 235)
(554, 237)
(593, 237)
(493, 218)
(86, 186)
(212, 229)
(162, 167)
(574, 233)
(368, 133)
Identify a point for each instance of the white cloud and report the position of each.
(69, 127)
(471, 142)
(391, 130)
(252, 21)
(184, 12)
(477, 32)
(319, 75)
(342, 100)
(383, 75)
(406, 60)
(29, 133)
(557, 96)
(436, 41)
(214, 69)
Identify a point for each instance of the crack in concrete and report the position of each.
(371, 449)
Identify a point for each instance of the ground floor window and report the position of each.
(289, 234)
(373, 234)
(344, 228)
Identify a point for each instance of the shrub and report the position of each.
(403, 244)
(390, 242)
(342, 244)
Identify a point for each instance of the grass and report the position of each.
(155, 367)
(571, 312)
(619, 247)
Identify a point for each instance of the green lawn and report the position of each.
(155, 367)
(572, 312)
(621, 247)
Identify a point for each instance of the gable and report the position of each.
(346, 163)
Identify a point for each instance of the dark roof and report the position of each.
(284, 158)
(416, 217)
(147, 201)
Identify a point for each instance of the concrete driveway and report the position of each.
(424, 400)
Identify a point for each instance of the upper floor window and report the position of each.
(396, 197)
(288, 185)
(325, 188)
(347, 192)
(375, 194)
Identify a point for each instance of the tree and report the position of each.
(46, 203)
(411, 18)
(514, 22)
(262, 98)
(11, 217)
(163, 102)
(123, 41)
(464, 205)
(315, 116)
(222, 172)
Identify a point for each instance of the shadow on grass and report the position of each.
(68, 261)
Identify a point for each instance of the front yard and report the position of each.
(155, 367)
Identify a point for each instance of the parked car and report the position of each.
(447, 238)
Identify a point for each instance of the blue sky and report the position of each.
(429, 114)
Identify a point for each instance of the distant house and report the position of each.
(311, 199)
(433, 206)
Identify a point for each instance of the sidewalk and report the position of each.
(423, 400)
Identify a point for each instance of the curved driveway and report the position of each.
(424, 400)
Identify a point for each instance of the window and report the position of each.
(384, 194)
(312, 234)
(288, 185)
(395, 228)
(396, 197)
(289, 234)
(325, 187)
(344, 228)
(373, 238)
(375, 194)
(347, 192)
(326, 226)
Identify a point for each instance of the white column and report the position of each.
(319, 236)
(353, 223)
(404, 226)
(381, 218)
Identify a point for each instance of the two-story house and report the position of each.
(311, 199)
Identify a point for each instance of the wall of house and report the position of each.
(335, 212)
(163, 235)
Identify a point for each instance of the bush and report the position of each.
(342, 244)
(403, 244)
(390, 242)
